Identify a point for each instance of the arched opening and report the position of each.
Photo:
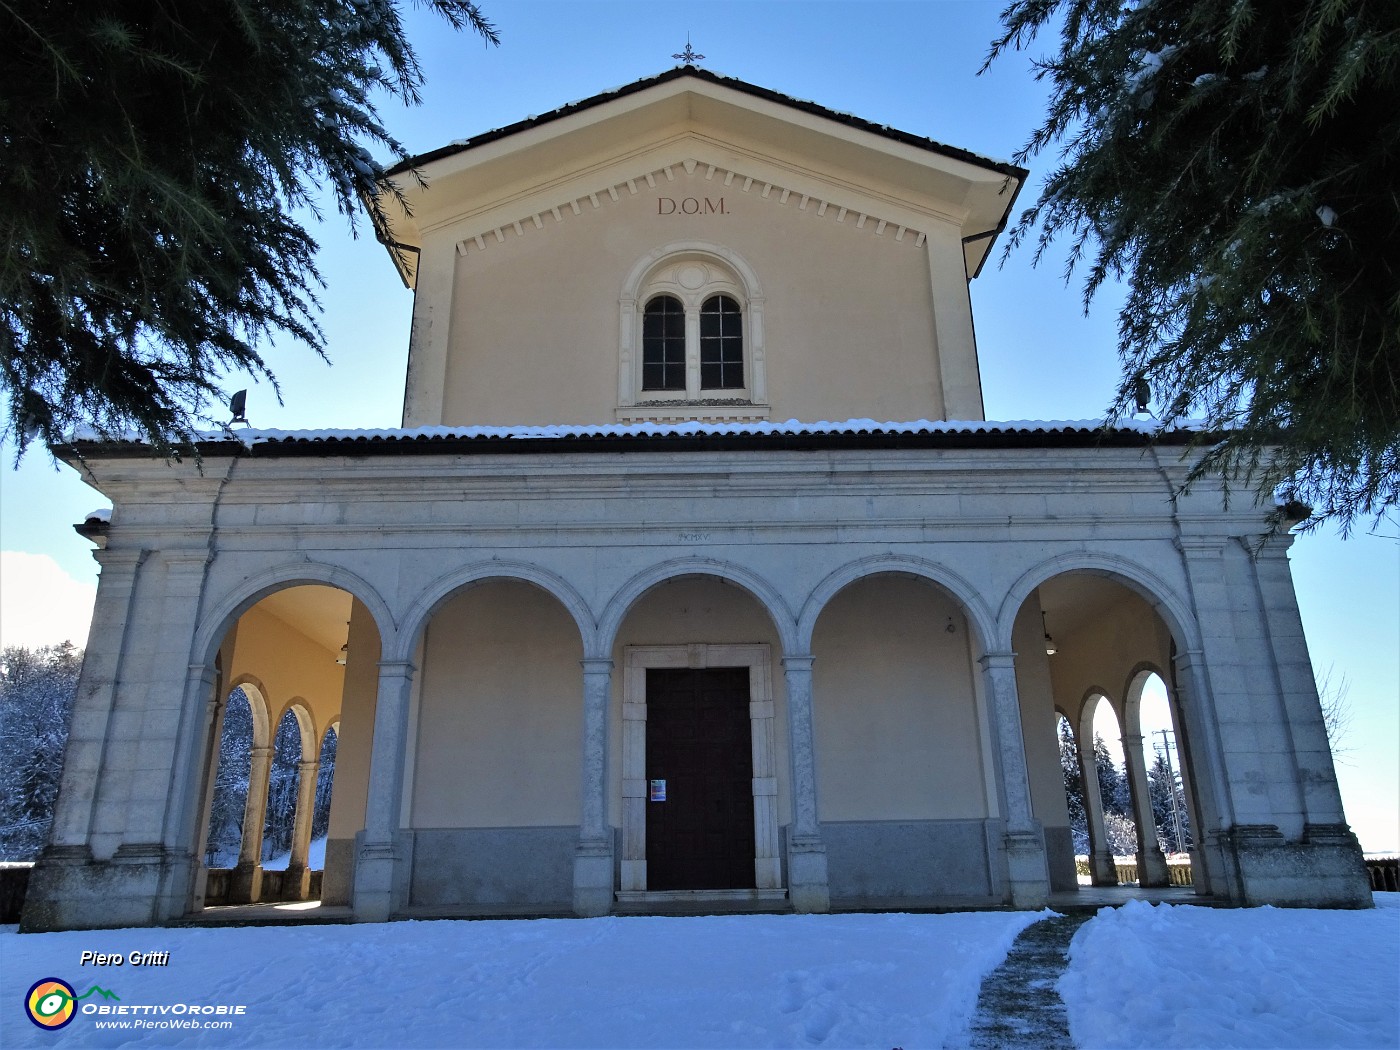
(230, 791)
(311, 652)
(905, 784)
(698, 717)
(1080, 636)
(321, 809)
(1149, 704)
(494, 765)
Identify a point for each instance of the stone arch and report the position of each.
(657, 257)
(1084, 719)
(306, 724)
(1155, 591)
(1132, 695)
(258, 703)
(215, 624)
(627, 596)
(421, 611)
(962, 592)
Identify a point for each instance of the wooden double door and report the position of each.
(699, 743)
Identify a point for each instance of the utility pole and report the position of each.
(1167, 744)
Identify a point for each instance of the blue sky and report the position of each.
(910, 65)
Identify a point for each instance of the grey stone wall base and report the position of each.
(528, 869)
(1326, 870)
(914, 860)
(337, 885)
(809, 884)
(593, 879)
(68, 890)
(1059, 856)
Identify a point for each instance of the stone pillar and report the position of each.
(196, 759)
(1212, 872)
(808, 882)
(1025, 844)
(593, 857)
(245, 882)
(92, 704)
(296, 883)
(377, 887)
(1102, 870)
(1151, 864)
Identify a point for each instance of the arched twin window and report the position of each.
(692, 337)
(666, 344)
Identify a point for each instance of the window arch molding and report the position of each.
(718, 271)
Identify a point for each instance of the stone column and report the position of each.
(1102, 870)
(245, 883)
(187, 817)
(808, 882)
(593, 857)
(1212, 872)
(92, 706)
(1025, 843)
(1151, 864)
(296, 883)
(377, 890)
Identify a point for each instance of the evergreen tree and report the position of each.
(1113, 784)
(1168, 806)
(37, 687)
(1238, 163)
(282, 788)
(1074, 788)
(325, 777)
(230, 783)
(154, 154)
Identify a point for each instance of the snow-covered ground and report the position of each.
(315, 858)
(1142, 976)
(730, 981)
(1156, 976)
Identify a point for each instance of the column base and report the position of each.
(593, 879)
(1027, 875)
(809, 886)
(1324, 870)
(1152, 869)
(1102, 870)
(380, 877)
(245, 883)
(296, 883)
(69, 890)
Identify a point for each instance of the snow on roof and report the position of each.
(100, 514)
(689, 429)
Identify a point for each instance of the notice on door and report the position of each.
(657, 791)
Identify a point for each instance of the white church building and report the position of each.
(621, 621)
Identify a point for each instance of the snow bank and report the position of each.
(721, 981)
(1179, 976)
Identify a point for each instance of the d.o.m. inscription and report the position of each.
(691, 206)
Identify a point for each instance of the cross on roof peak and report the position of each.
(688, 56)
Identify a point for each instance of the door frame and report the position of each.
(757, 657)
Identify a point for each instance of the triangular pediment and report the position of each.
(735, 138)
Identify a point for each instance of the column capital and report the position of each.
(993, 660)
(121, 558)
(396, 668)
(261, 752)
(1200, 546)
(203, 674)
(798, 662)
(596, 665)
(308, 763)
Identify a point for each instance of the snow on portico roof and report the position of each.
(461, 145)
(671, 437)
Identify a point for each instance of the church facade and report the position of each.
(619, 620)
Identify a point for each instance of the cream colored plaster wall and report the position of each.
(287, 665)
(848, 320)
(698, 610)
(1103, 653)
(500, 712)
(893, 706)
(1039, 721)
(350, 788)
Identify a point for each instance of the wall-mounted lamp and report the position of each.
(343, 655)
(1050, 647)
